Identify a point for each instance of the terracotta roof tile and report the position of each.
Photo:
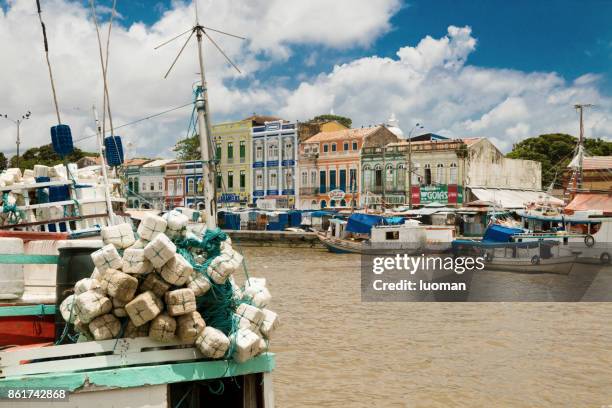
(357, 133)
(597, 162)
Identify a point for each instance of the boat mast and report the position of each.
(575, 182)
(100, 138)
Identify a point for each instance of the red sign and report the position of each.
(452, 194)
(416, 195)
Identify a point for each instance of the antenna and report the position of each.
(201, 104)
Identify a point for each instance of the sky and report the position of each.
(496, 69)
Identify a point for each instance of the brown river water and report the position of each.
(332, 350)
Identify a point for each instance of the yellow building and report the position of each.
(233, 150)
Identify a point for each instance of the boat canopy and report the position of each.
(590, 201)
(499, 233)
(363, 223)
(508, 198)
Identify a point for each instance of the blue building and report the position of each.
(274, 151)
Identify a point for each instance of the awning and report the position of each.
(363, 223)
(514, 198)
(590, 201)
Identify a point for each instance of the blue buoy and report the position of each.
(61, 139)
(114, 150)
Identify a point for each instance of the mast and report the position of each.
(100, 138)
(577, 161)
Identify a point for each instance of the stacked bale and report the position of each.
(153, 289)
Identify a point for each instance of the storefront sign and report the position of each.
(443, 194)
(337, 195)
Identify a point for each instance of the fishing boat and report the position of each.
(500, 253)
(373, 234)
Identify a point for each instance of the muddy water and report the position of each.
(334, 351)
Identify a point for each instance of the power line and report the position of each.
(138, 121)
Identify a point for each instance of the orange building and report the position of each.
(329, 169)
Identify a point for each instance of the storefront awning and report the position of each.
(514, 198)
(590, 201)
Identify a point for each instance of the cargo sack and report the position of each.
(223, 266)
(121, 236)
(121, 286)
(199, 283)
(139, 244)
(83, 328)
(212, 343)
(155, 284)
(144, 308)
(257, 296)
(247, 345)
(66, 309)
(134, 262)
(107, 257)
(269, 323)
(176, 223)
(132, 331)
(41, 171)
(177, 270)
(151, 226)
(250, 313)
(119, 312)
(180, 301)
(91, 304)
(105, 327)
(160, 250)
(189, 326)
(162, 328)
(86, 284)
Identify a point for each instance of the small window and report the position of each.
(242, 179)
(334, 147)
(346, 146)
(242, 149)
(325, 148)
(392, 235)
(230, 179)
(354, 145)
(161, 186)
(230, 150)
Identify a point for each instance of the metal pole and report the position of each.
(409, 172)
(205, 130)
(109, 204)
(18, 142)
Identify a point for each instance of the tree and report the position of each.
(188, 148)
(45, 155)
(329, 117)
(3, 161)
(555, 151)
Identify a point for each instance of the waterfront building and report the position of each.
(596, 171)
(132, 176)
(445, 171)
(233, 151)
(274, 155)
(329, 169)
(174, 179)
(152, 186)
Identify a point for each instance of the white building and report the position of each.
(274, 153)
(152, 185)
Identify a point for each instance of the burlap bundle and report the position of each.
(106, 257)
(66, 309)
(257, 295)
(199, 283)
(223, 266)
(87, 284)
(151, 226)
(177, 223)
(91, 304)
(134, 262)
(83, 328)
(139, 244)
(119, 312)
(144, 308)
(132, 331)
(160, 250)
(177, 270)
(246, 345)
(155, 284)
(121, 236)
(105, 327)
(121, 286)
(189, 326)
(162, 328)
(212, 343)
(250, 313)
(180, 301)
(269, 323)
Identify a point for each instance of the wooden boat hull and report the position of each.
(561, 265)
(343, 246)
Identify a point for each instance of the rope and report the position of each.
(44, 32)
(14, 214)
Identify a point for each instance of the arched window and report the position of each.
(401, 176)
(343, 203)
(378, 176)
(190, 185)
(323, 204)
(440, 179)
(171, 191)
(130, 185)
(454, 174)
(427, 177)
(367, 177)
(389, 177)
(332, 203)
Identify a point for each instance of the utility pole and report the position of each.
(577, 174)
(17, 122)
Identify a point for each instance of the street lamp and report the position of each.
(415, 127)
(18, 121)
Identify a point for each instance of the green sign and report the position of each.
(444, 194)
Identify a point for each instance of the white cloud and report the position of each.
(433, 83)
(137, 87)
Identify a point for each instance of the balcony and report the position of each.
(309, 191)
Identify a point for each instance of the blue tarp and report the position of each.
(394, 221)
(322, 213)
(363, 223)
(498, 233)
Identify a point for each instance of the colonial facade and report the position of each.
(132, 175)
(152, 185)
(306, 130)
(233, 150)
(274, 162)
(174, 179)
(329, 169)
